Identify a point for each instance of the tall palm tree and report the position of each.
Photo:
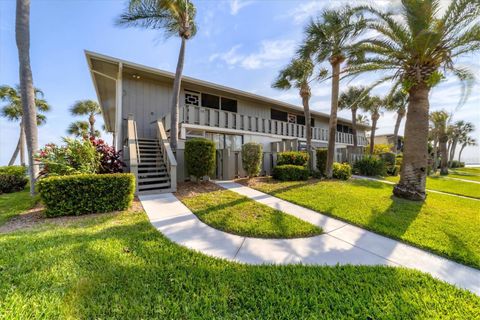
(88, 108)
(299, 73)
(439, 120)
(459, 130)
(175, 18)
(80, 129)
(373, 105)
(13, 111)
(465, 142)
(398, 103)
(27, 92)
(331, 37)
(363, 119)
(416, 47)
(352, 99)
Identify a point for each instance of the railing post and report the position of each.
(132, 149)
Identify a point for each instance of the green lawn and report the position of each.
(473, 170)
(439, 183)
(228, 211)
(11, 204)
(465, 173)
(443, 224)
(117, 266)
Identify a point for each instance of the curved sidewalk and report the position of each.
(341, 243)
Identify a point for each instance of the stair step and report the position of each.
(152, 173)
(147, 139)
(159, 179)
(154, 186)
(148, 143)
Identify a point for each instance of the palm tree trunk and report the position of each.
(460, 153)
(444, 154)
(395, 131)
(354, 129)
(372, 133)
(308, 126)
(415, 151)
(452, 150)
(17, 149)
(435, 156)
(22, 34)
(332, 124)
(176, 96)
(91, 120)
(22, 145)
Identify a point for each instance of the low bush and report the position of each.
(322, 160)
(389, 159)
(370, 166)
(86, 193)
(297, 158)
(252, 154)
(75, 157)
(200, 157)
(110, 159)
(342, 171)
(456, 164)
(379, 148)
(290, 172)
(12, 178)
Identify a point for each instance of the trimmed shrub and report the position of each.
(290, 172)
(252, 154)
(297, 158)
(342, 171)
(12, 178)
(200, 157)
(86, 193)
(370, 166)
(322, 160)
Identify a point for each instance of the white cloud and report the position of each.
(237, 5)
(270, 53)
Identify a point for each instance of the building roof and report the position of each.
(104, 70)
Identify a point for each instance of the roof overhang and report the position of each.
(104, 70)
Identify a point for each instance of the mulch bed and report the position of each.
(191, 189)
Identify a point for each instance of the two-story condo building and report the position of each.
(136, 102)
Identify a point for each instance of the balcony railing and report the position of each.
(231, 120)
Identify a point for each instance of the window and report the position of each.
(344, 128)
(301, 120)
(229, 104)
(278, 115)
(210, 101)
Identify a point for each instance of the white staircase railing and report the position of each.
(168, 157)
(133, 153)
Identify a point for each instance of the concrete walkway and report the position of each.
(341, 242)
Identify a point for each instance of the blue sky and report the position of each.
(241, 44)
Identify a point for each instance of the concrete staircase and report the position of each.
(152, 172)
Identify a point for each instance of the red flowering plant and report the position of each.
(110, 159)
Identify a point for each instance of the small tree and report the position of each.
(200, 157)
(252, 154)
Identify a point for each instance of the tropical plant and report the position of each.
(363, 119)
(397, 102)
(299, 73)
(175, 18)
(88, 108)
(373, 105)
(13, 111)
(465, 142)
(416, 47)
(439, 121)
(352, 99)
(110, 159)
(458, 131)
(370, 166)
(331, 37)
(342, 171)
(78, 129)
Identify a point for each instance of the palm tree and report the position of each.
(298, 74)
(459, 130)
(176, 18)
(88, 108)
(397, 102)
(27, 92)
(373, 105)
(331, 37)
(466, 141)
(352, 99)
(363, 119)
(439, 120)
(415, 47)
(13, 111)
(80, 129)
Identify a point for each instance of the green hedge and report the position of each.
(200, 157)
(252, 155)
(86, 193)
(322, 160)
(297, 158)
(370, 166)
(342, 171)
(12, 178)
(290, 172)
